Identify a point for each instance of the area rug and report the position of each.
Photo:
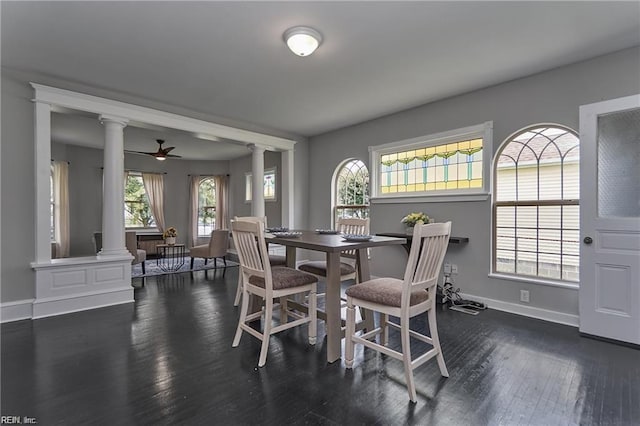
(152, 268)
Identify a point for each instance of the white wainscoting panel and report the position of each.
(17, 310)
(77, 284)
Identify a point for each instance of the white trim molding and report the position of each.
(138, 114)
(16, 311)
(527, 311)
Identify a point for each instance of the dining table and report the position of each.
(332, 245)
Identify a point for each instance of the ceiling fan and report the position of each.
(161, 154)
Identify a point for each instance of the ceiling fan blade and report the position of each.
(167, 150)
(140, 152)
(174, 156)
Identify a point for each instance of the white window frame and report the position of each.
(214, 207)
(248, 182)
(153, 228)
(334, 191)
(484, 131)
(533, 279)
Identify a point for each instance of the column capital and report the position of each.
(256, 148)
(106, 118)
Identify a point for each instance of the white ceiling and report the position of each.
(227, 59)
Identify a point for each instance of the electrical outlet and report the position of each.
(524, 296)
(447, 268)
(454, 269)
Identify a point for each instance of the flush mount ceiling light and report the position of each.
(302, 41)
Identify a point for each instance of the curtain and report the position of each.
(154, 187)
(61, 204)
(194, 184)
(222, 201)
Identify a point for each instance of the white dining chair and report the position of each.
(348, 270)
(274, 259)
(269, 283)
(404, 299)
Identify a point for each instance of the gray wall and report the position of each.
(550, 97)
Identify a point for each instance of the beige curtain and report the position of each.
(194, 183)
(61, 203)
(222, 201)
(154, 187)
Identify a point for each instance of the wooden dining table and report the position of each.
(332, 246)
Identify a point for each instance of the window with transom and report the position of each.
(536, 210)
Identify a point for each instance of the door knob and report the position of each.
(587, 240)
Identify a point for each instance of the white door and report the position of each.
(610, 219)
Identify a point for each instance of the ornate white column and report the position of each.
(257, 182)
(113, 187)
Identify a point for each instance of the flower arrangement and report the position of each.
(412, 219)
(170, 232)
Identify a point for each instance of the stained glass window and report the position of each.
(536, 205)
(449, 166)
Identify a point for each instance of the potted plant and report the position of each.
(170, 235)
(413, 219)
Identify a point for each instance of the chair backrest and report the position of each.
(262, 219)
(352, 225)
(219, 242)
(131, 242)
(428, 248)
(251, 247)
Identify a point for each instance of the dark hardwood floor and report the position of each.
(167, 359)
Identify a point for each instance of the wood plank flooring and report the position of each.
(167, 360)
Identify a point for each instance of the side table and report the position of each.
(170, 257)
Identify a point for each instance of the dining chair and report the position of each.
(347, 270)
(139, 255)
(274, 259)
(216, 248)
(404, 299)
(269, 283)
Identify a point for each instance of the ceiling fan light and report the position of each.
(302, 41)
(160, 158)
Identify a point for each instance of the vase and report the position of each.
(170, 240)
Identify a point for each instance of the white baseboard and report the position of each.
(15, 311)
(43, 308)
(527, 311)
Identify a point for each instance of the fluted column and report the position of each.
(113, 242)
(257, 183)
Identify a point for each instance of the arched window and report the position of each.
(206, 206)
(536, 211)
(351, 190)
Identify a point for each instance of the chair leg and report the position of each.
(349, 332)
(313, 316)
(215, 263)
(384, 319)
(143, 269)
(205, 260)
(224, 259)
(192, 263)
(433, 328)
(243, 318)
(266, 334)
(236, 302)
(406, 357)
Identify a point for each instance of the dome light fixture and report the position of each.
(302, 41)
